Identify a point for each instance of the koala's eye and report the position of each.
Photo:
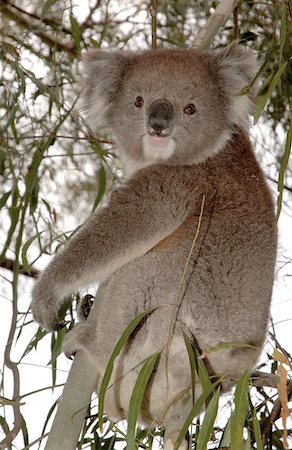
(190, 109)
(139, 102)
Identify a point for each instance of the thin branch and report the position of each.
(275, 415)
(9, 264)
(207, 33)
(13, 366)
(153, 13)
(45, 38)
(287, 188)
(235, 23)
(51, 22)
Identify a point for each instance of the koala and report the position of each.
(190, 234)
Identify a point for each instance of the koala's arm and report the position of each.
(139, 214)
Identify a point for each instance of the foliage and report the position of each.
(50, 162)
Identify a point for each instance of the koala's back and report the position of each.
(211, 279)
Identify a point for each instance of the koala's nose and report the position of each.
(160, 118)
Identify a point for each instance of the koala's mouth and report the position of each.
(157, 148)
(158, 141)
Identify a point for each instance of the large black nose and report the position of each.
(160, 118)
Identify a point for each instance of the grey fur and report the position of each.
(138, 244)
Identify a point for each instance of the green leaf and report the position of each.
(24, 431)
(283, 30)
(266, 91)
(51, 410)
(283, 167)
(239, 414)
(257, 430)
(196, 409)
(4, 425)
(208, 422)
(47, 6)
(56, 346)
(137, 396)
(14, 215)
(76, 32)
(25, 248)
(204, 378)
(4, 198)
(110, 365)
(226, 345)
(34, 341)
(101, 186)
(13, 111)
(193, 363)
(225, 440)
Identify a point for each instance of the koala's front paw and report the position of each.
(44, 307)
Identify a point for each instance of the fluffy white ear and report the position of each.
(239, 67)
(102, 76)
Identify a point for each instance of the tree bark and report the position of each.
(73, 405)
(207, 33)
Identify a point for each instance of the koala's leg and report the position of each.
(82, 337)
(176, 419)
(84, 307)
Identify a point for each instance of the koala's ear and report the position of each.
(102, 75)
(239, 66)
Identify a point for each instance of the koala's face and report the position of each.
(172, 106)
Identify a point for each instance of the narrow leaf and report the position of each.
(47, 6)
(283, 167)
(24, 431)
(110, 365)
(101, 186)
(4, 198)
(283, 30)
(204, 377)
(137, 397)
(226, 345)
(208, 422)
(25, 248)
(270, 83)
(196, 409)
(257, 431)
(239, 414)
(193, 364)
(76, 32)
(225, 440)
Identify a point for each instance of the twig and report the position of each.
(153, 13)
(51, 22)
(24, 23)
(275, 415)
(9, 264)
(235, 23)
(10, 436)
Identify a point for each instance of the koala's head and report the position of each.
(173, 106)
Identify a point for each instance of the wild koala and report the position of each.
(191, 232)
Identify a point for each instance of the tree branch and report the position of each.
(9, 264)
(51, 22)
(275, 414)
(207, 33)
(45, 38)
(81, 382)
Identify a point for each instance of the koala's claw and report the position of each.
(84, 307)
(70, 356)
